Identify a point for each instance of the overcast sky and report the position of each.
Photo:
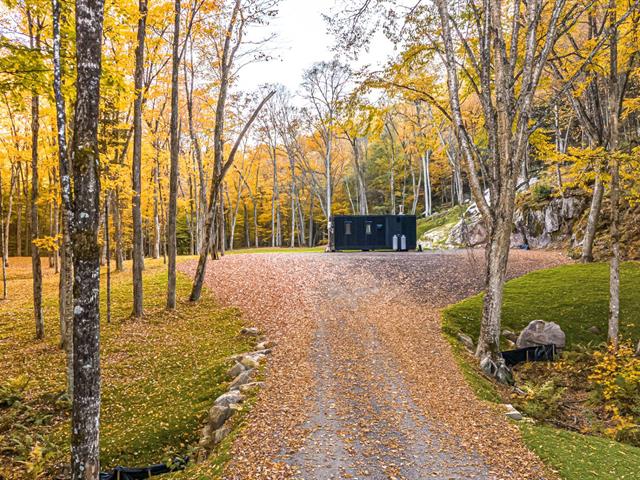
(302, 40)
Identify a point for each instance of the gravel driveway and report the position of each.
(362, 385)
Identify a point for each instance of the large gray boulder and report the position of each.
(539, 332)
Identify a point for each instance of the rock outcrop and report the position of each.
(545, 224)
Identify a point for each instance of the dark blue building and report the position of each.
(373, 232)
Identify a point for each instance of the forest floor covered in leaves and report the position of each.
(362, 383)
(160, 374)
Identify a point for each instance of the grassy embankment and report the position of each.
(160, 374)
(575, 297)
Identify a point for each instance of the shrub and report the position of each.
(13, 390)
(616, 377)
(541, 192)
(541, 401)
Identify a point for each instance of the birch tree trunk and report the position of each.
(614, 103)
(172, 247)
(426, 163)
(65, 288)
(85, 419)
(136, 210)
(329, 143)
(592, 221)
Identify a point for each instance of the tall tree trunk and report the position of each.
(329, 143)
(614, 269)
(247, 233)
(117, 223)
(7, 222)
(426, 162)
(497, 255)
(156, 216)
(613, 107)
(275, 199)
(35, 251)
(19, 230)
(311, 219)
(172, 247)
(138, 248)
(65, 286)
(363, 206)
(107, 244)
(292, 242)
(3, 240)
(201, 211)
(592, 221)
(256, 234)
(216, 183)
(85, 419)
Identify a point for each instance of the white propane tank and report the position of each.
(403, 243)
(395, 243)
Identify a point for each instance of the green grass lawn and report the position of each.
(575, 297)
(160, 374)
(582, 457)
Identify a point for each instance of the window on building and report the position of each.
(347, 228)
(368, 229)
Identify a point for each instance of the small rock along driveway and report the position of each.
(362, 384)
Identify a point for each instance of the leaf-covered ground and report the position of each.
(160, 374)
(362, 383)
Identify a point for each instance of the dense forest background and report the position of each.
(344, 142)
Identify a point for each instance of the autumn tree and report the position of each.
(325, 85)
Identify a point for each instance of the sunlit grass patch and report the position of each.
(160, 374)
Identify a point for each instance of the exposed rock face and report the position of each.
(541, 226)
(549, 224)
(539, 332)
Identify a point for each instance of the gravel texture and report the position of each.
(362, 384)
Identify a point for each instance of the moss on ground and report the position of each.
(576, 297)
(160, 374)
(446, 217)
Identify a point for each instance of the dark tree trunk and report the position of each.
(19, 231)
(85, 421)
(117, 223)
(172, 246)
(35, 251)
(3, 240)
(138, 249)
